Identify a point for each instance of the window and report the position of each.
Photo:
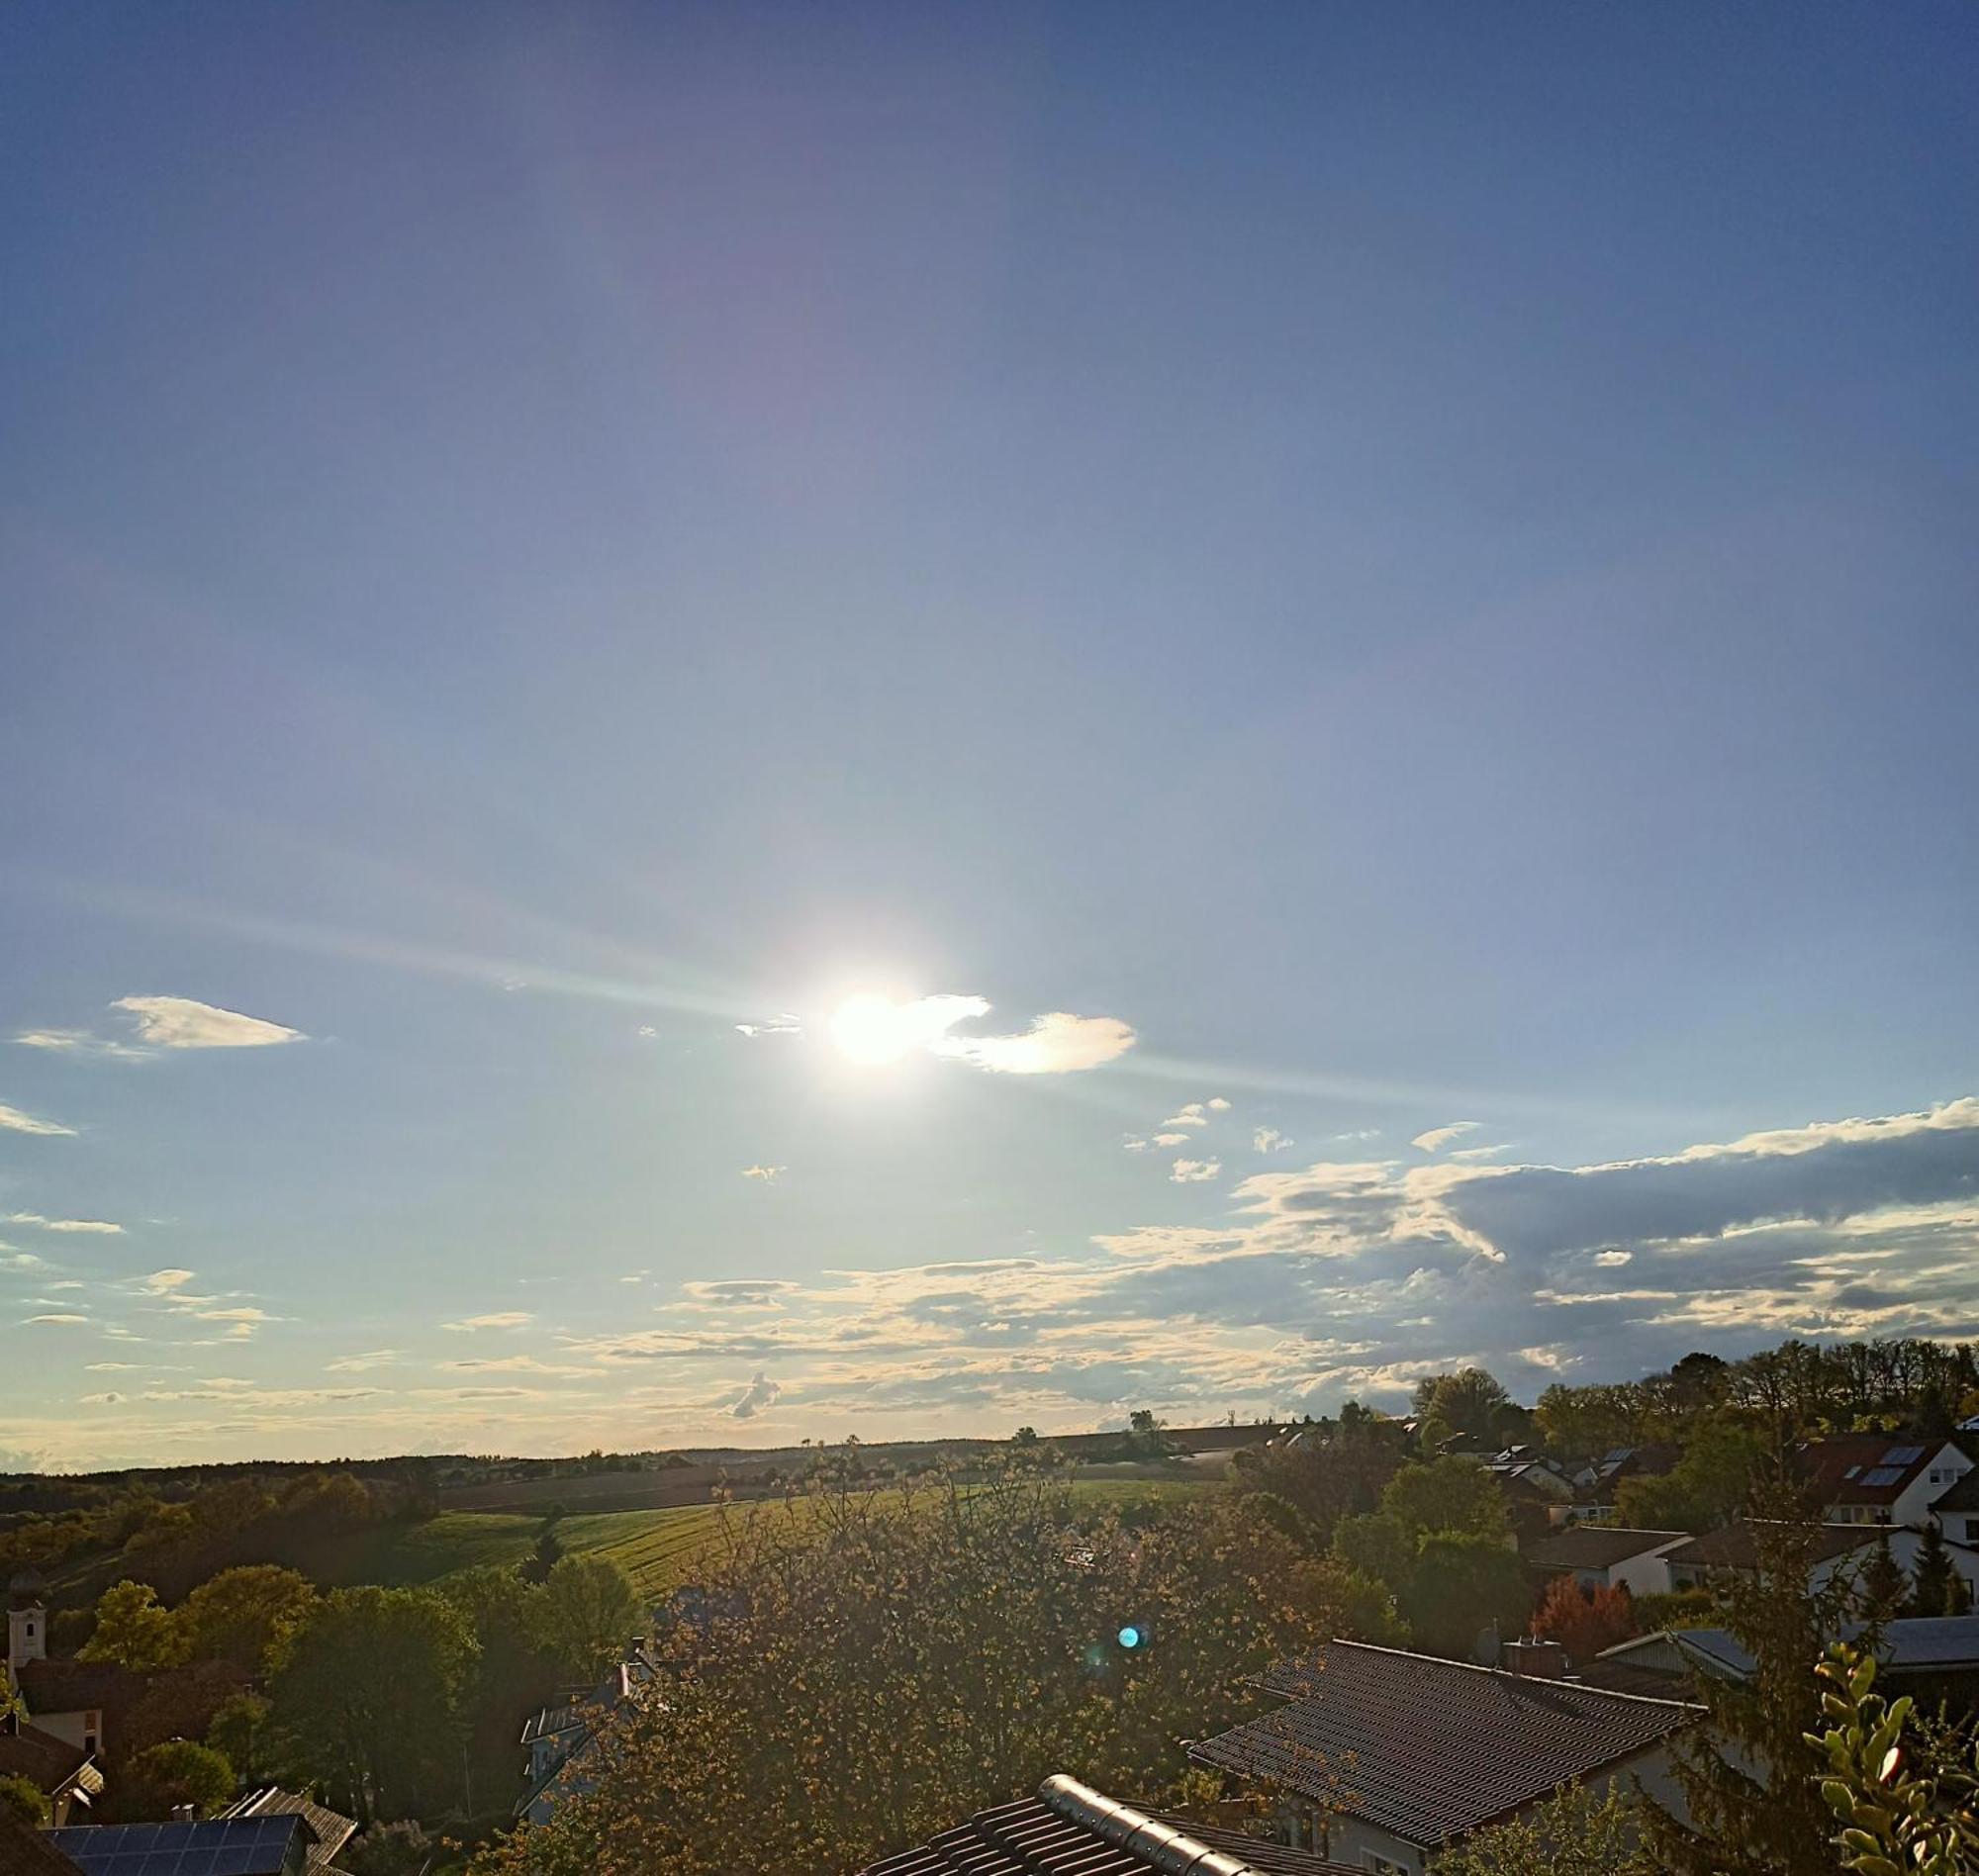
(1383, 1865)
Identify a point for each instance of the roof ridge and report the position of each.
(1502, 1673)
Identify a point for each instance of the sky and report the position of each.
(729, 723)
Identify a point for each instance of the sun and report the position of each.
(873, 1030)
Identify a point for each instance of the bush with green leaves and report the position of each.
(25, 1799)
(1586, 1830)
(1904, 1787)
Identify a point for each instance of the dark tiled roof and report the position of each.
(28, 1852)
(332, 1829)
(1909, 1645)
(546, 1721)
(77, 1686)
(1866, 1468)
(1734, 1548)
(1429, 1748)
(1596, 1547)
(46, 1761)
(1068, 1830)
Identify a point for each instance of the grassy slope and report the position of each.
(658, 1549)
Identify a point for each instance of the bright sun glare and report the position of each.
(873, 1030)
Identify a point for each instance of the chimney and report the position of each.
(1541, 1660)
(184, 1814)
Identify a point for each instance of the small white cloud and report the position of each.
(1271, 1140)
(1471, 1154)
(1612, 1259)
(1057, 1043)
(40, 1223)
(111, 1368)
(178, 1023)
(647, 1032)
(1172, 1140)
(19, 1260)
(165, 1282)
(500, 1319)
(1136, 1145)
(1437, 1138)
(1194, 1115)
(1217, 1104)
(12, 1120)
(99, 1400)
(359, 1363)
(1194, 1172)
(59, 1318)
(240, 1315)
(766, 1175)
(781, 1025)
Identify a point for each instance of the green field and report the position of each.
(658, 1549)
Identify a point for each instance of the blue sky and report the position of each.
(1408, 566)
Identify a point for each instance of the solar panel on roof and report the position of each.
(1903, 1456)
(1883, 1475)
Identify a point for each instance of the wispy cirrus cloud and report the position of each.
(14, 1120)
(498, 1319)
(40, 1223)
(764, 1174)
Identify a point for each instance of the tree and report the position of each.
(1445, 1494)
(1328, 1478)
(886, 1662)
(1463, 1585)
(1142, 1420)
(1466, 1401)
(549, 1551)
(1883, 1584)
(1746, 1775)
(369, 1688)
(240, 1615)
(182, 1772)
(1706, 1488)
(1584, 1621)
(1580, 1832)
(1939, 1588)
(241, 1734)
(135, 1630)
(588, 1614)
(25, 1799)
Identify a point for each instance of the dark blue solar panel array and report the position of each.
(230, 1846)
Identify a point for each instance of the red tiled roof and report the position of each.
(1428, 1749)
(1733, 1547)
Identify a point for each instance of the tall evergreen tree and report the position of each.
(1939, 1589)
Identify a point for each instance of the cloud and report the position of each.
(500, 1319)
(1172, 1140)
(1057, 1043)
(742, 1292)
(1135, 1144)
(761, 1392)
(781, 1025)
(64, 1318)
(165, 1282)
(61, 1224)
(1437, 1138)
(1469, 1154)
(20, 1260)
(79, 1042)
(1194, 1115)
(1217, 1104)
(12, 1120)
(178, 1023)
(1192, 1171)
(766, 1175)
(360, 1363)
(1271, 1140)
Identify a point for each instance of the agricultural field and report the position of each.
(658, 1549)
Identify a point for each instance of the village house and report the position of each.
(1596, 1483)
(1870, 1478)
(1071, 1829)
(329, 1830)
(65, 1775)
(1383, 1759)
(1607, 1557)
(1931, 1656)
(1834, 1549)
(556, 1737)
